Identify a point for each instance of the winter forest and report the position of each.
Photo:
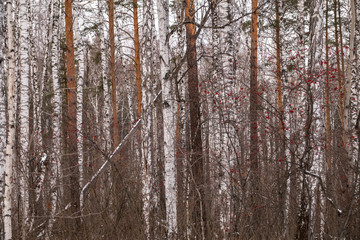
(179, 119)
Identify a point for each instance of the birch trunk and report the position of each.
(169, 113)
(348, 83)
(215, 139)
(353, 76)
(79, 104)
(105, 83)
(10, 143)
(316, 46)
(147, 99)
(36, 84)
(56, 151)
(2, 111)
(282, 96)
(302, 215)
(355, 84)
(24, 113)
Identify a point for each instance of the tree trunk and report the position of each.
(215, 115)
(349, 96)
(169, 113)
(79, 109)
(147, 109)
(2, 112)
(315, 164)
(24, 107)
(339, 72)
(56, 150)
(137, 58)
(328, 123)
(112, 73)
(105, 84)
(10, 143)
(255, 200)
(226, 117)
(196, 155)
(71, 170)
(180, 128)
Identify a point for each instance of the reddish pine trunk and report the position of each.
(196, 158)
(71, 170)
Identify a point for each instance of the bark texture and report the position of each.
(197, 190)
(71, 170)
(10, 142)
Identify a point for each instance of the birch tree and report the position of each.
(10, 141)
(104, 75)
(147, 99)
(24, 113)
(226, 81)
(56, 151)
(352, 82)
(349, 84)
(282, 96)
(2, 110)
(79, 104)
(316, 45)
(169, 113)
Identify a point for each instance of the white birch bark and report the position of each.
(104, 70)
(24, 112)
(56, 101)
(79, 106)
(347, 103)
(301, 102)
(2, 110)
(355, 85)
(40, 178)
(169, 113)
(316, 46)
(214, 86)
(2, 114)
(147, 88)
(353, 78)
(106, 110)
(10, 143)
(301, 30)
(222, 90)
(36, 84)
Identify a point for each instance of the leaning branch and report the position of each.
(121, 144)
